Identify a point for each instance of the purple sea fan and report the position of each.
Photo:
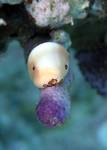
(54, 106)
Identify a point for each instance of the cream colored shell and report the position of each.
(48, 64)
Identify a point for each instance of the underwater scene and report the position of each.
(53, 75)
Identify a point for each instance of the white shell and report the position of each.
(48, 64)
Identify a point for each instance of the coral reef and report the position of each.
(93, 65)
(78, 8)
(56, 13)
(99, 8)
(61, 37)
(53, 13)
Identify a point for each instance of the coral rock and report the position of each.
(53, 13)
(94, 67)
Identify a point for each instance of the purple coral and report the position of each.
(54, 106)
